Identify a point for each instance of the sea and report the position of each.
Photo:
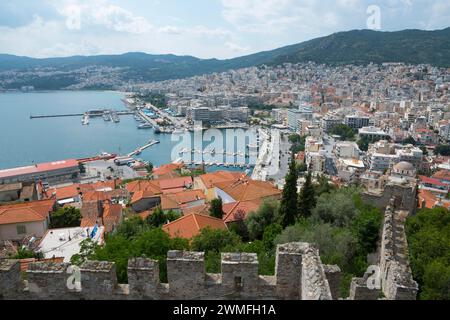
(25, 141)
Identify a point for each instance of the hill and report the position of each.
(350, 47)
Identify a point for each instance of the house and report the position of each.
(191, 225)
(246, 190)
(66, 242)
(144, 200)
(104, 213)
(143, 185)
(181, 200)
(21, 220)
(239, 211)
(64, 195)
(207, 182)
(175, 185)
(167, 171)
(10, 192)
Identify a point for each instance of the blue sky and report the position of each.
(202, 28)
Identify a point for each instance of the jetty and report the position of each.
(139, 150)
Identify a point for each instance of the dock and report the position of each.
(139, 150)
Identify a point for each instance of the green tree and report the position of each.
(269, 236)
(216, 209)
(266, 215)
(288, 205)
(443, 150)
(344, 131)
(152, 243)
(149, 168)
(337, 208)
(66, 217)
(214, 240)
(428, 235)
(306, 198)
(87, 248)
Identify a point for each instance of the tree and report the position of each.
(152, 243)
(66, 217)
(288, 204)
(428, 235)
(307, 198)
(87, 248)
(149, 168)
(344, 131)
(410, 140)
(266, 215)
(324, 186)
(337, 208)
(214, 240)
(443, 150)
(216, 209)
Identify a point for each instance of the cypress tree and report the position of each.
(307, 198)
(288, 205)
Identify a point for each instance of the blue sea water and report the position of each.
(24, 141)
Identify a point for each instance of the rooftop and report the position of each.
(64, 243)
(38, 168)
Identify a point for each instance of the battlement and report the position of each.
(299, 274)
(397, 280)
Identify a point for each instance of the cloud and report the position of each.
(234, 47)
(85, 14)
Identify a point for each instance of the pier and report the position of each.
(91, 113)
(139, 150)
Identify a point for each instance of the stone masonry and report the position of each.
(299, 275)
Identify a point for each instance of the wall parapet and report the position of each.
(299, 274)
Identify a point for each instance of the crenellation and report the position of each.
(186, 273)
(240, 274)
(299, 274)
(98, 279)
(10, 278)
(143, 278)
(333, 274)
(288, 267)
(48, 279)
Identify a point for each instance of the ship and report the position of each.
(145, 126)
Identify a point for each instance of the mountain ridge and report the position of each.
(361, 47)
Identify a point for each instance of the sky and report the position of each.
(201, 28)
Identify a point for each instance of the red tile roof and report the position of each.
(240, 210)
(247, 189)
(437, 182)
(142, 185)
(191, 225)
(26, 212)
(175, 183)
(210, 179)
(66, 192)
(180, 199)
(143, 194)
(167, 170)
(442, 175)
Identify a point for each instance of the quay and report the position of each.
(139, 150)
(57, 116)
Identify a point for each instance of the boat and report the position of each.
(145, 126)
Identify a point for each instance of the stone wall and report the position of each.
(396, 276)
(299, 274)
(404, 197)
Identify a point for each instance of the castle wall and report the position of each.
(299, 275)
